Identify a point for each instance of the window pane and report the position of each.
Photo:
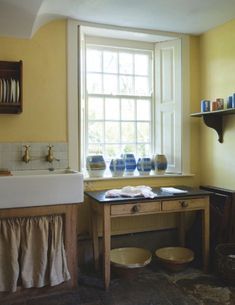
(112, 109)
(95, 132)
(93, 60)
(126, 85)
(128, 148)
(126, 63)
(112, 132)
(94, 83)
(143, 110)
(127, 109)
(141, 64)
(143, 132)
(143, 150)
(95, 108)
(112, 151)
(110, 62)
(118, 124)
(95, 149)
(128, 132)
(110, 84)
(142, 86)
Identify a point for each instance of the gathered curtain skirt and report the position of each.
(32, 252)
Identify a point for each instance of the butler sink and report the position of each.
(40, 187)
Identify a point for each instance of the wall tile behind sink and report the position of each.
(11, 155)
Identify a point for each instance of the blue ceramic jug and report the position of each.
(130, 163)
(144, 166)
(117, 167)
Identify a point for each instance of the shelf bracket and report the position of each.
(215, 122)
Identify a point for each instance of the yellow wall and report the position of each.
(44, 116)
(217, 55)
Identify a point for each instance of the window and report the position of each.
(164, 94)
(118, 104)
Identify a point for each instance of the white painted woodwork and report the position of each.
(168, 102)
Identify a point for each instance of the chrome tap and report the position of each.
(26, 156)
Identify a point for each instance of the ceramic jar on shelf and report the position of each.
(159, 164)
(130, 163)
(95, 165)
(144, 166)
(117, 167)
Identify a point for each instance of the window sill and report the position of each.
(137, 176)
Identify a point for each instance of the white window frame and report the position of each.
(76, 30)
(103, 44)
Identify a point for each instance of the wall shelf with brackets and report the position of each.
(214, 119)
(11, 87)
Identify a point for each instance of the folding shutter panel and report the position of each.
(168, 102)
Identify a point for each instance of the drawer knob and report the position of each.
(184, 204)
(135, 209)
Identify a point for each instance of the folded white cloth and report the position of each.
(173, 190)
(132, 191)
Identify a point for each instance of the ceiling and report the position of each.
(23, 18)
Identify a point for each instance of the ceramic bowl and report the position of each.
(127, 262)
(130, 257)
(174, 259)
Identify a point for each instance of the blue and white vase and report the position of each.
(144, 166)
(95, 165)
(117, 167)
(160, 164)
(130, 163)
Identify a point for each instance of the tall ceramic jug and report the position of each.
(130, 163)
(117, 167)
(144, 166)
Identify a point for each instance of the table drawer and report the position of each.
(183, 204)
(135, 208)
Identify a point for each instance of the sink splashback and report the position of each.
(11, 156)
(40, 188)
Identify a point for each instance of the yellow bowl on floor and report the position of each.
(174, 258)
(130, 257)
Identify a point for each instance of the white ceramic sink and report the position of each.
(40, 187)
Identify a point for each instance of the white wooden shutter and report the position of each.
(168, 102)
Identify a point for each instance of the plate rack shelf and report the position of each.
(11, 87)
(214, 119)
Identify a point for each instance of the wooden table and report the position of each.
(193, 200)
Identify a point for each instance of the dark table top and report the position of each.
(99, 196)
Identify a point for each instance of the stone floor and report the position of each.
(148, 287)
